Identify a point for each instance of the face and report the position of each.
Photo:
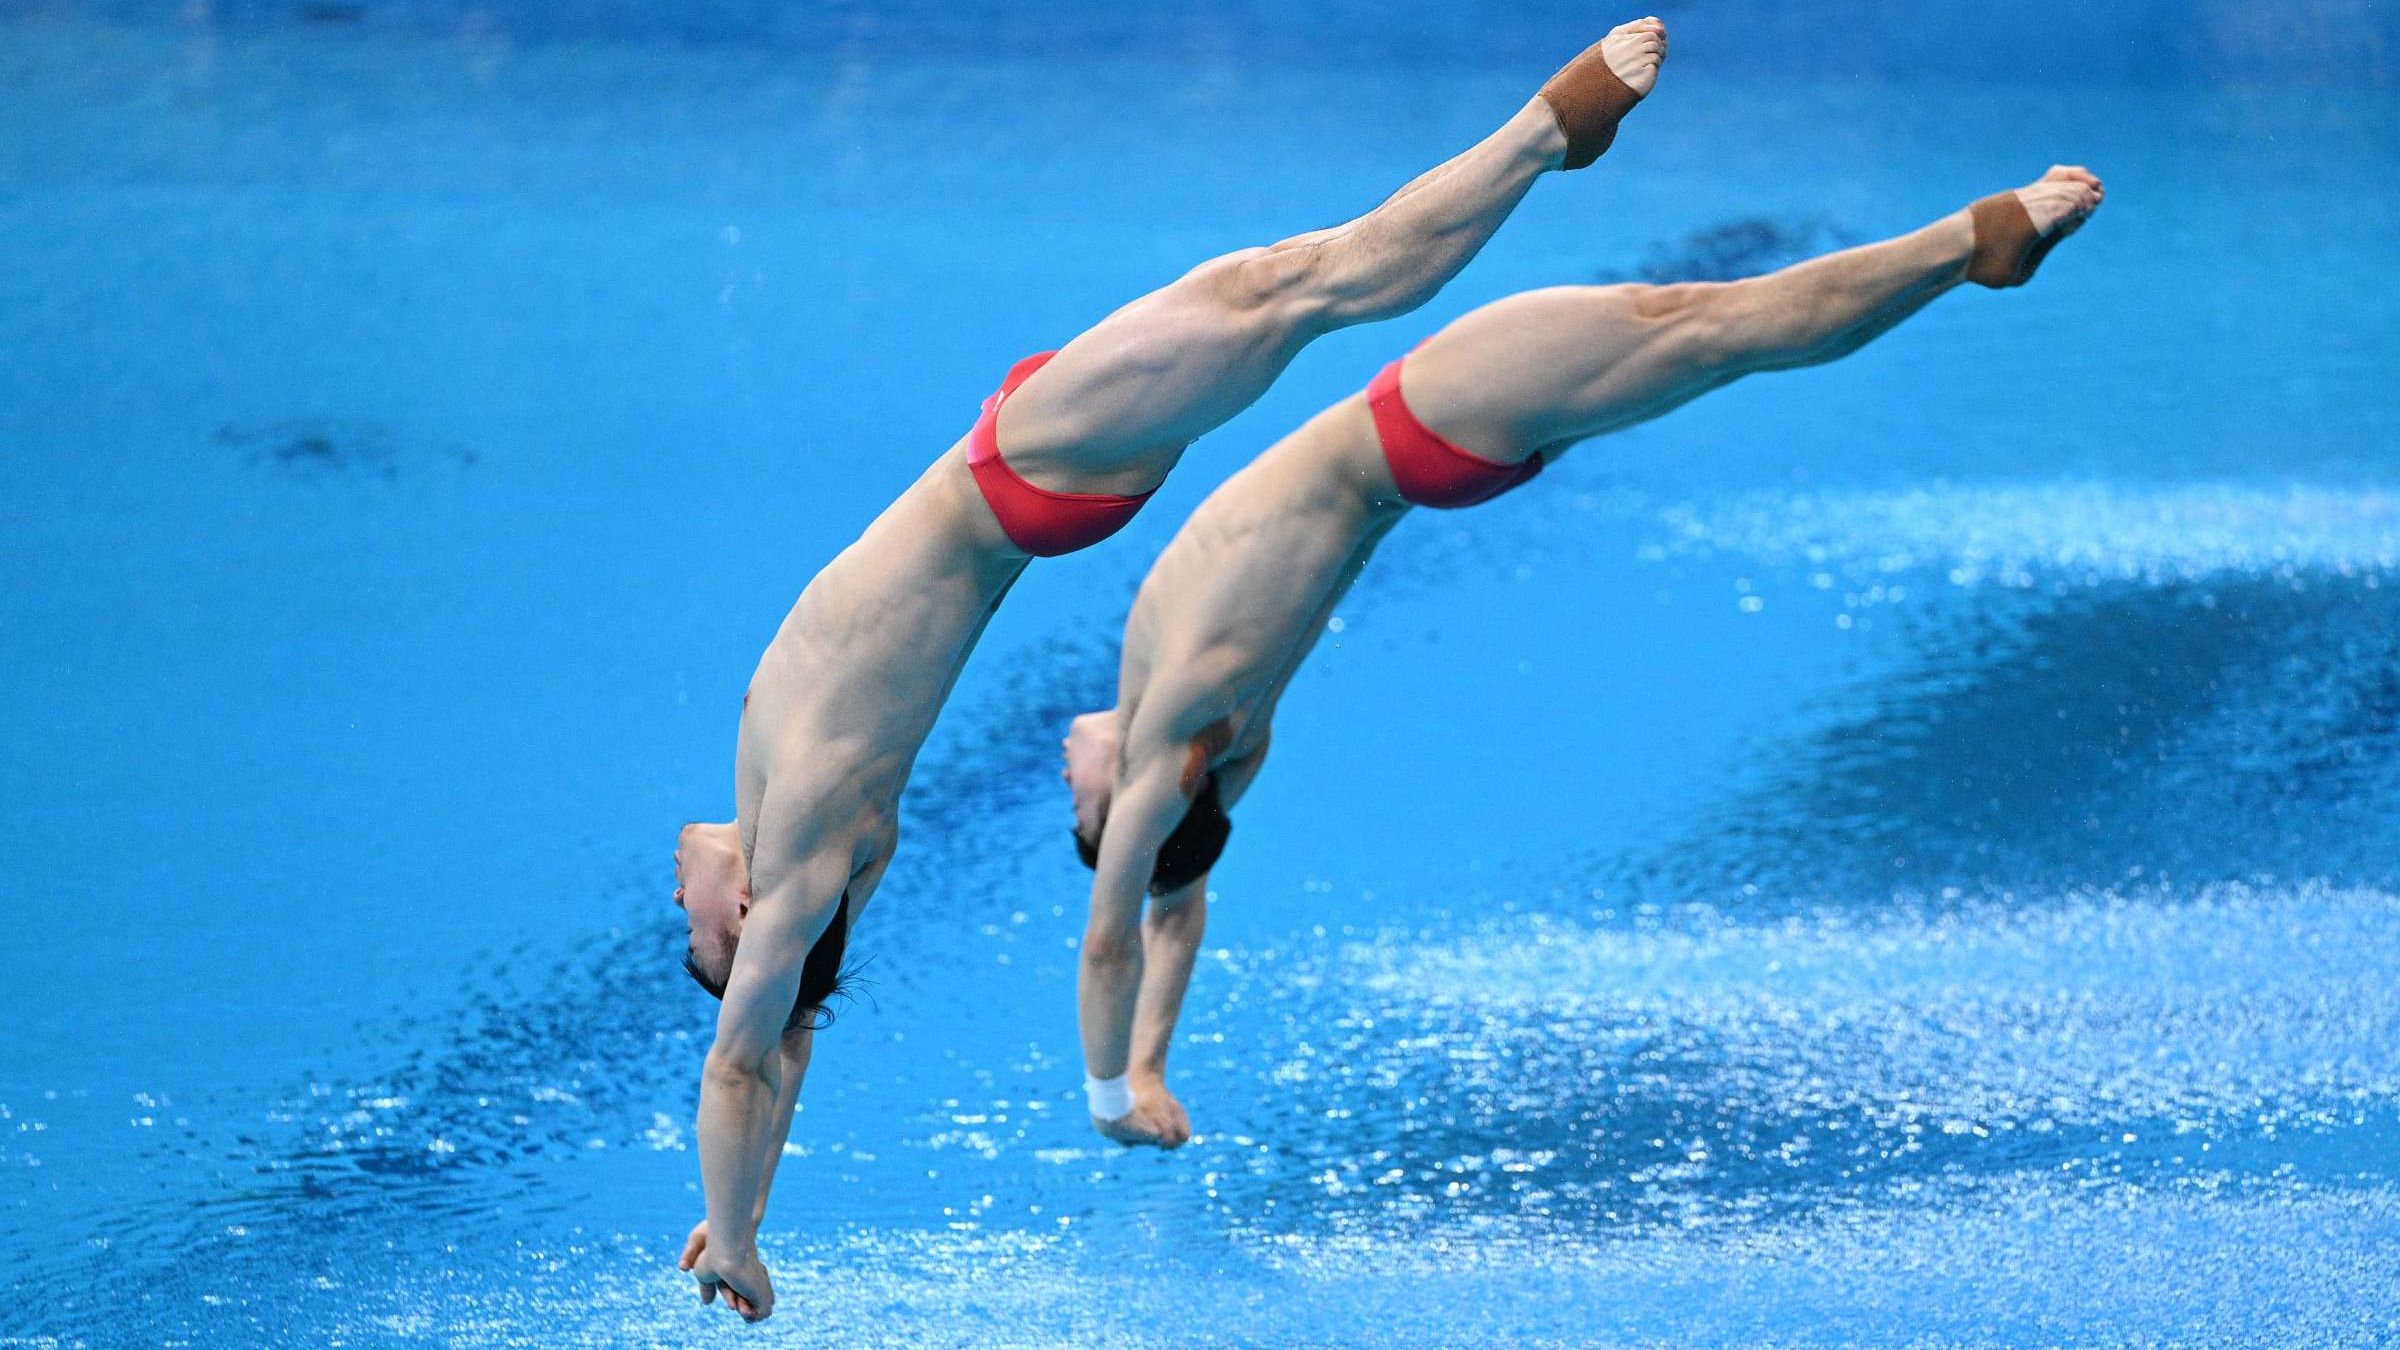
(1090, 769)
(712, 888)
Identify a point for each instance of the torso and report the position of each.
(846, 694)
(849, 689)
(1240, 597)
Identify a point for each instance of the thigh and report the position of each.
(1557, 365)
(1153, 376)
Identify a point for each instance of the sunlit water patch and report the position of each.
(1645, 1116)
(2031, 1261)
(2038, 534)
(2021, 535)
(1546, 1079)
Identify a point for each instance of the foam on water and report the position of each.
(1552, 1079)
(1987, 1015)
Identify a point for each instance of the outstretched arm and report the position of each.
(1142, 814)
(793, 1057)
(745, 1099)
(1172, 931)
(1171, 934)
(792, 1060)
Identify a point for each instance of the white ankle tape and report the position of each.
(1110, 1098)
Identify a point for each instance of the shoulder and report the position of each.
(816, 824)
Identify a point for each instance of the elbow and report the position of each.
(1110, 951)
(727, 1070)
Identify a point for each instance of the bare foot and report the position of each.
(1091, 770)
(2014, 231)
(2062, 199)
(1634, 52)
(1593, 92)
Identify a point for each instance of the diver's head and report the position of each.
(712, 888)
(713, 891)
(1090, 769)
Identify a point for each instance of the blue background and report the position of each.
(1892, 854)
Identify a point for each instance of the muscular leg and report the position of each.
(1550, 367)
(1178, 362)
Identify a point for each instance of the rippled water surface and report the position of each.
(1898, 854)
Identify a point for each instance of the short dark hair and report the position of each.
(821, 975)
(1188, 853)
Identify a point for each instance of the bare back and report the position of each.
(865, 660)
(1240, 597)
(847, 692)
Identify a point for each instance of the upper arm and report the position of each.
(1149, 799)
(1235, 777)
(782, 926)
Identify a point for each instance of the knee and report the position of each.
(1287, 276)
(1326, 279)
(1671, 301)
(1698, 321)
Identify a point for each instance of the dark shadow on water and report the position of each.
(968, 807)
(322, 449)
(1732, 250)
(2218, 730)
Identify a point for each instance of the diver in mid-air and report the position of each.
(1064, 454)
(1240, 596)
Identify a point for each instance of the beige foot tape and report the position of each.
(1588, 100)
(2007, 247)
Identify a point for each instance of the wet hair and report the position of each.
(822, 977)
(1194, 847)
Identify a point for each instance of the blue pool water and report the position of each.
(1899, 854)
